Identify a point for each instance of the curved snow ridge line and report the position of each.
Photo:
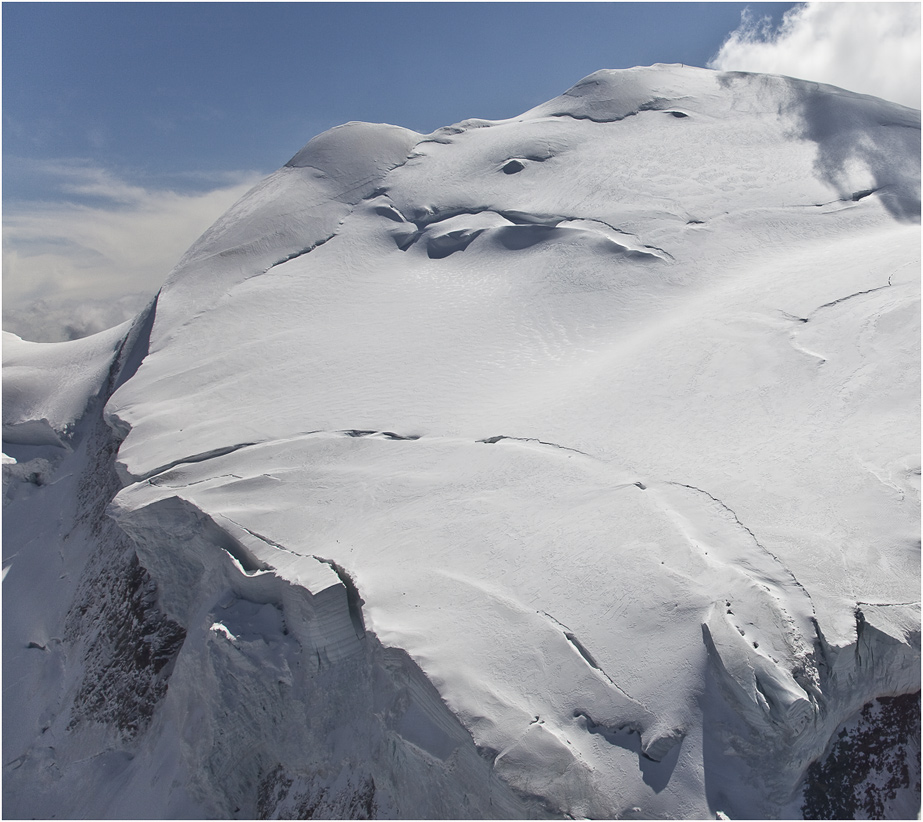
(360, 185)
(805, 320)
(792, 334)
(344, 195)
(756, 542)
(294, 255)
(646, 247)
(558, 447)
(591, 660)
(769, 590)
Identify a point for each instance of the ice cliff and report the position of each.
(560, 466)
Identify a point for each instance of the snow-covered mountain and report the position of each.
(564, 465)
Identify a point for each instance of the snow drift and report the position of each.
(564, 465)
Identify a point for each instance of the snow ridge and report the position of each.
(756, 542)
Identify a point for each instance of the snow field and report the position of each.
(572, 454)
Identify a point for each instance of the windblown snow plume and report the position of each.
(869, 47)
(565, 465)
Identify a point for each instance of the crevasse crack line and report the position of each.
(153, 481)
(851, 296)
(752, 535)
(496, 439)
(888, 604)
(795, 318)
(230, 449)
(262, 538)
(202, 457)
(296, 254)
(589, 658)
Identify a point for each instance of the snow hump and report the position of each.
(355, 151)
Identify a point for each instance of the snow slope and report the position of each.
(570, 460)
(33, 415)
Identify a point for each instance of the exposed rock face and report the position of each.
(872, 770)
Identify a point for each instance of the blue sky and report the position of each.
(129, 127)
(162, 90)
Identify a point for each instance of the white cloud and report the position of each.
(71, 268)
(871, 48)
(54, 320)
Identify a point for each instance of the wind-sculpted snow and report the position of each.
(46, 389)
(560, 465)
(293, 211)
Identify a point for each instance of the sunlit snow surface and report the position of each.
(607, 415)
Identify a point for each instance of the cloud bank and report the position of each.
(871, 48)
(91, 261)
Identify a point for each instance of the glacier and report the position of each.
(560, 466)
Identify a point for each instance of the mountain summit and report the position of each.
(563, 465)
